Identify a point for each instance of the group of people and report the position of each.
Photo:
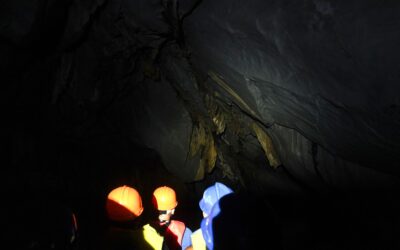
(124, 209)
(231, 220)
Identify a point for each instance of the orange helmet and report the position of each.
(124, 203)
(164, 198)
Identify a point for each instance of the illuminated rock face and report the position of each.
(324, 71)
(322, 68)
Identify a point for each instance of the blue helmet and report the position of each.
(212, 195)
(206, 226)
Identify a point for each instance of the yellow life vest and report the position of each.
(119, 238)
(198, 242)
(152, 237)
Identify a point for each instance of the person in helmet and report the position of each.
(176, 234)
(124, 208)
(210, 196)
(234, 222)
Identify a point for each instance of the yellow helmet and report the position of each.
(124, 203)
(164, 198)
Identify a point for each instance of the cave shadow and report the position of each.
(347, 219)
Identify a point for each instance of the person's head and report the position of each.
(211, 195)
(164, 200)
(124, 204)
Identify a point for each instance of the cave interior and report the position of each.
(295, 103)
